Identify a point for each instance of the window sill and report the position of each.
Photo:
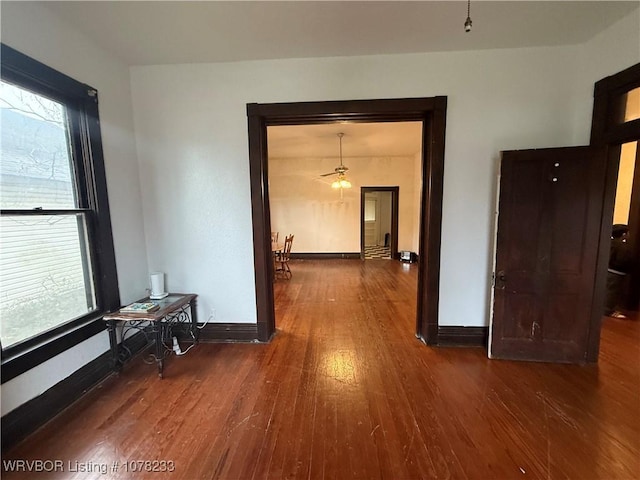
(19, 363)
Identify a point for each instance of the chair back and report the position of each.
(286, 251)
(274, 237)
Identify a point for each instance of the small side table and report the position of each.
(178, 309)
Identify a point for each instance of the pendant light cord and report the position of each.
(468, 22)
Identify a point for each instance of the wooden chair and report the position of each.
(283, 257)
(274, 237)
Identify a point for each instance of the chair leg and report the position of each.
(288, 273)
(280, 268)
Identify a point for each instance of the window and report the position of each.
(626, 106)
(57, 266)
(632, 105)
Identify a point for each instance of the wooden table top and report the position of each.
(167, 305)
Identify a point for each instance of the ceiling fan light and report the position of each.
(341, 182)
(467, 25)
(468, 22)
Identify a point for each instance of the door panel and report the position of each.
(524, 312)
(550, 209)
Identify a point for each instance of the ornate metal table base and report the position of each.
(177, 313)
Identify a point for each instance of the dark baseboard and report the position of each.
(31, 415)
(229, 332)
(28, 417)
(463, 336)
(325, 256)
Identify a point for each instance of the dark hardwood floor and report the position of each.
(346, 391)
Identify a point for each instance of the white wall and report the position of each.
(192, 139)
(34, 31)
(192, 135)
(304, 204)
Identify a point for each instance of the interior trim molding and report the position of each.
(28, 417)
(463, 336)
(431, 111)
(326, 256)
(229, 332)
(19, 364)
(31, 415)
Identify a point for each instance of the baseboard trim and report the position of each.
(325, 256)
(31, 415)
(463, 336)
(229, 332)
(337, 255)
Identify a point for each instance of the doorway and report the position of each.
(431, 112)
(379, 222)
(615, 122)
(627, 212)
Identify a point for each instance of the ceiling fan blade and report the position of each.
(327, 174)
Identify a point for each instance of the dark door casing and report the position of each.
(395, 196)
(550, 208)
(431, 112)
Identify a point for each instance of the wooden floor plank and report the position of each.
(345, 390)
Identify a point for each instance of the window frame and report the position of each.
(81, 102)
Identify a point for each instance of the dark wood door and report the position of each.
(550, 209)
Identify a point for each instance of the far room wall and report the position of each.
(303, 203)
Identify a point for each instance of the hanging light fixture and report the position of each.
(467, 22)
(342, 181)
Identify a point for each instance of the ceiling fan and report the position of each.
(340, 170)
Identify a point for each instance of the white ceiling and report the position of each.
(169, 32)
(174, 32)
(360, 140)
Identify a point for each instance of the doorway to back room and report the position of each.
(306, 198)
(429, 112)
(376, 223)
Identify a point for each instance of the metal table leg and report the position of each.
(113, 343)
(158, 330)
(194, 320)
